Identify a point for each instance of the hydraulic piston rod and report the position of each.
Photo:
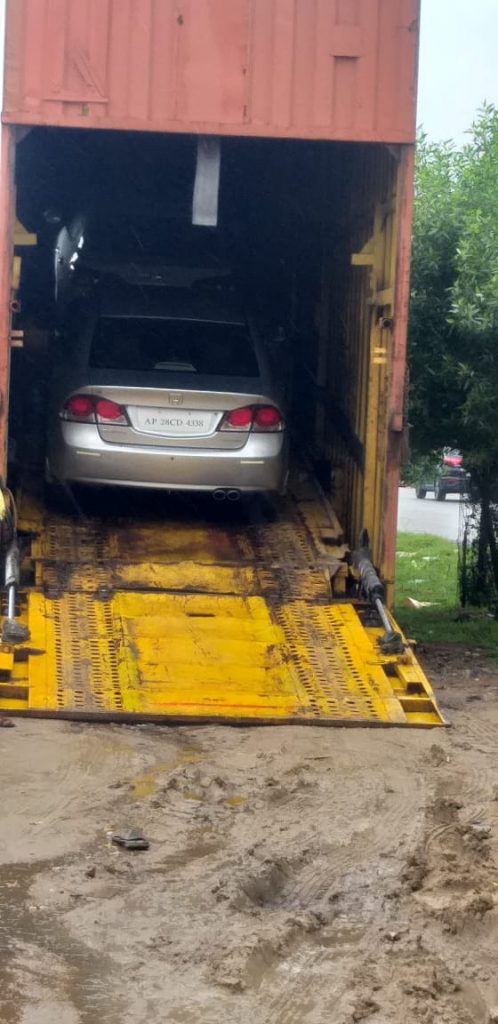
(13, 632)
(373, 589)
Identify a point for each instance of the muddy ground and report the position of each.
(294, 876)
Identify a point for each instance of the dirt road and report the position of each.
(294, 876)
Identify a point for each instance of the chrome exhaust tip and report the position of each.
(233, 495)
(219, 494)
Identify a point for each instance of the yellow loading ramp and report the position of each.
(234, 622)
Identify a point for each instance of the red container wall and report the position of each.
(324, 69)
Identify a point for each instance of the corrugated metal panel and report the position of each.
(398, 391)
(360, 384)
(326, 69)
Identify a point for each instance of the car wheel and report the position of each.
(420, 492)
(439, 492)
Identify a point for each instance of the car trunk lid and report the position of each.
(162, 417)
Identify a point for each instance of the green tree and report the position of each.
(454, 320)
(433, 392)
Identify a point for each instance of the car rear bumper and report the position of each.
(78, 454)
(454, 484)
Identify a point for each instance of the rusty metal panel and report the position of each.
(324, 69)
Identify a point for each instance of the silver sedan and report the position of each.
(164, 390)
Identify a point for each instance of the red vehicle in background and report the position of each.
(450, 477)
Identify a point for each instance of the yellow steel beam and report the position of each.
(22, 236)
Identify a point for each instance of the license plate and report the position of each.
(173, 422)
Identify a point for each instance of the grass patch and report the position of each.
(427, 570)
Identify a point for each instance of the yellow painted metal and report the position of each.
(16, 273)
(379, 255)
(248, 629)
(210, 657)
(6, 662)
(359, 313)
(22, 236)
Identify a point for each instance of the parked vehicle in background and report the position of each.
(165, 388)
(449, 477)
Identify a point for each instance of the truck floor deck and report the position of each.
(231, 618)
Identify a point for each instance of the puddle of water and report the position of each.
(30, 938)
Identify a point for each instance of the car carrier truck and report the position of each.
(286, 128)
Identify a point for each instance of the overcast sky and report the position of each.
(458, 64)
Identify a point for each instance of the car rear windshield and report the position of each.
(173, 346)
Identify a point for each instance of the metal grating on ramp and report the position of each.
(155, 656)
(179, 621)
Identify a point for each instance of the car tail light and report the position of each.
(79, 407)
(267, 418)
(238, 419)
(88, 408)
(110, 411)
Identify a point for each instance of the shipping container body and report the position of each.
(314, 103)
(320, 69)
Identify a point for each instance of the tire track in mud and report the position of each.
(41, 963)
(284, 916)
(451, 878)
(481, 731)
(425, 983)
(298, 882)
(316, 895)
(293, 877)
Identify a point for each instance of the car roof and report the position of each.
(208, 304)
(146, 235)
